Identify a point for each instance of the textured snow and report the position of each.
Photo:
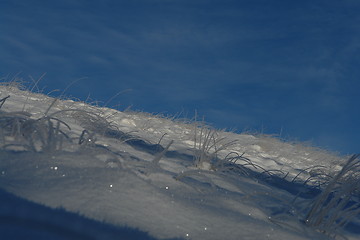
(113, 176)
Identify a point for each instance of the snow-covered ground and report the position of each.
(169, 178)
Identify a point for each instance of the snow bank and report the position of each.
(143, 171)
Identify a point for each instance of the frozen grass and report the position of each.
(339, 202)
(42, 134)
(207, 144)
(329, 212)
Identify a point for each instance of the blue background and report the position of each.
(277, 67)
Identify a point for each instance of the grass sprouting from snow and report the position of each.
(215, 155)
(336, 205)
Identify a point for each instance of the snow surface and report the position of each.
(138, 170)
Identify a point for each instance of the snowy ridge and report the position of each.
(172, 179)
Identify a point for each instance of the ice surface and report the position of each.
(104, 169)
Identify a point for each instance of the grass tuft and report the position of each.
(207, 144)
(339, 202)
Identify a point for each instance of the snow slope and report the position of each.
(22, 219)
(166, 177)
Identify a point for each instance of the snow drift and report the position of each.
(171, 178)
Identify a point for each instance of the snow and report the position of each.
(137, 170)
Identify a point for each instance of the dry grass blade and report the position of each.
(162, 153)
(2, 101)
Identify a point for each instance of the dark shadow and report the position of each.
(22, 219)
